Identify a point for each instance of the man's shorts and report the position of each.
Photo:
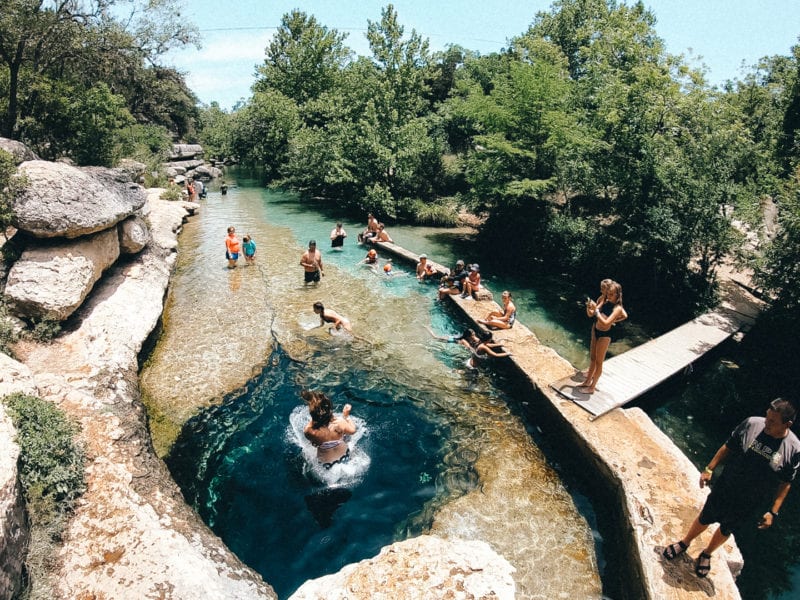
(231, 255)
(311, 276)
(728, 512)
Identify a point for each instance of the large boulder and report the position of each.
(207, 172)
(134, 235)
(63, 201)
(184, 151)
(51, 282)
(18, 150)
(184, 164)
(422, 568)
(14, 532)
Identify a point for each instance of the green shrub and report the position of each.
(51, 471)
(51, 466)
(8, 331)
(172, 193)
(45, 330)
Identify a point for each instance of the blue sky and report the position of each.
(721, 34)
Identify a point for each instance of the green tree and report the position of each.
(97, 119)
(262, 130)
(303, 59)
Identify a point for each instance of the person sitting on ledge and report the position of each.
(472, 284)
(381, 236)
(502, 319)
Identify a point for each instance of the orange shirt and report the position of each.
(232, 243)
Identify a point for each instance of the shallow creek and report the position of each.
(222, 383)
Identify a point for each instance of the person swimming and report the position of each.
(327, 432)
(326, 315)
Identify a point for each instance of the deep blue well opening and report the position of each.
(241, 468)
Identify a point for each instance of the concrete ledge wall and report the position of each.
(653, 483)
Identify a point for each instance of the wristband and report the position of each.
(773, 513)
(709, 471)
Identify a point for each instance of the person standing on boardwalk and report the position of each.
(607, 312)
(232, 248)
(761, 459)
(311, 261)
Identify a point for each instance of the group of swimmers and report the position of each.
(233, 248)
(328, 432)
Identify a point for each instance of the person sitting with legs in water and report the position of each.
(326, 431)
(326, 315)
(502, 319)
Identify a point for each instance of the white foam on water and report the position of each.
(339, 475)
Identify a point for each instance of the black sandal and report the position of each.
(674, 550)
(703, 566)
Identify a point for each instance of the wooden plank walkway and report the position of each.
(632, 373)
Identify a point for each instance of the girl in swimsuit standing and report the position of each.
(326, 431)
(606, 311)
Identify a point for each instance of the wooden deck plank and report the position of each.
(632, 373)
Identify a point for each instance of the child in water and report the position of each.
(249, 248)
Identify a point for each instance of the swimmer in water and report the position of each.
(326, 315)
(326, 431)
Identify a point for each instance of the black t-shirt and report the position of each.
(758, 462)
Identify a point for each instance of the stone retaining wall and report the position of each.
(655, 486)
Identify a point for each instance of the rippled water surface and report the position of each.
(441, 447)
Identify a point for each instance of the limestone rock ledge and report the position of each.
(422, 568)
(132, 535)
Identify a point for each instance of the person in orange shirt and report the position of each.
(232, 248)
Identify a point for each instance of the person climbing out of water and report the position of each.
(249, 249)
(326, 315)
(502, 319)
(481, 345)
(607, 312)
(326, 431)
(454, 282)
(232, 248)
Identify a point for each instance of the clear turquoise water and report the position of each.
(426, 421)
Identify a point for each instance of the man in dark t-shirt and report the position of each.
(761, 460)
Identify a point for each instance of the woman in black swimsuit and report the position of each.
(607, 311)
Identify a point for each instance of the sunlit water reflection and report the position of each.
(445, 447)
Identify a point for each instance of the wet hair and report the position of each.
(319, 406)
(312, 243)
(485, 336)
(784, 408)
(618, 289)
(318, 306)
(338, 224)
(507, 292)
